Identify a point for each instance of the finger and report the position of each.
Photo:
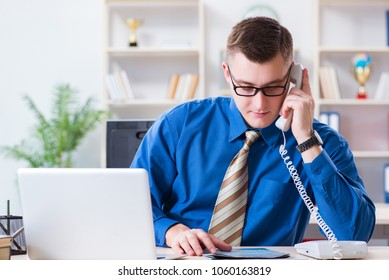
(221, 245)
(184, 244)
(177, 249)
(306, 88)
(194, 242)
(205, 239)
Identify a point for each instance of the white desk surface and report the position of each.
(374, 253)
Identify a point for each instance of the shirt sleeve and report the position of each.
(156, 155)
(339, 191)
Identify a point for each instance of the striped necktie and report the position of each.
(230, 209)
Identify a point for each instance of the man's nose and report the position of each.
(258, 99)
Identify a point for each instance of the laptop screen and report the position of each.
(87, 213)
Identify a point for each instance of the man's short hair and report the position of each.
(260, 39)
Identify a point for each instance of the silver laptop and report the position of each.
(82, 213)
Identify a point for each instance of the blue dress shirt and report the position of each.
(187, 152)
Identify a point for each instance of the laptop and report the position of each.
(87, 213)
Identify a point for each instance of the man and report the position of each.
(188, 150)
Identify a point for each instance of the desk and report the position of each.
(374, 253)
(381, 230)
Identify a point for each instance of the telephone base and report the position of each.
(323, 249)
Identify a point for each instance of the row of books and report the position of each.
(118, 86)
(330, 118)
(329, 84)
(182, 87)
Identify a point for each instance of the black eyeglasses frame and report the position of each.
(261, 89)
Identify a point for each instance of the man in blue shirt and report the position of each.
(188, 150)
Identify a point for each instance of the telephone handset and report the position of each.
(322, 249)
(296, 77)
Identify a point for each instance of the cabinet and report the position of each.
(344, 28)
(170, 40)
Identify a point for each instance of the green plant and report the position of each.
(55, 139)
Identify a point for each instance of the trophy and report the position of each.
(362, 71)
(133, 24)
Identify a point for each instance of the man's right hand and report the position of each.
(192, 242)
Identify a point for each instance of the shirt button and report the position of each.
(317, 171)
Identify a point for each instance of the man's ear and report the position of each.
(226, 72)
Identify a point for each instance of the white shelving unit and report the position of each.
(170, 40)
(344, 28)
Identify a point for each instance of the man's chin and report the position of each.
(255, 123)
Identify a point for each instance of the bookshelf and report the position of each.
(364, 123)
(170, 41)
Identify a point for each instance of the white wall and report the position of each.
(43, 43)
(46, 42)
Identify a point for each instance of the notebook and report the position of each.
(82, 213)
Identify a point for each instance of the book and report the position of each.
(382, 91)
(324, 118)
(111, 88)
(127, 85)
(5, 247)
(171, 93)
(330, 118)
(329, 83)
(190, 87)
(324, 86)
(387, 28)
(193, 86)
(182, 86)
(334, 121)
(120, 85)
(386, 183)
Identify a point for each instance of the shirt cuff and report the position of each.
(320, 169)
(160, 228)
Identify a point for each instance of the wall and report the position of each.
(46, 42)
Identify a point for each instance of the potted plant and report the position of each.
(55, 139)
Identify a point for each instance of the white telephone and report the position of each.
(321, 249)
(296, 77)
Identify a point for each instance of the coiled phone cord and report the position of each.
(308, 202)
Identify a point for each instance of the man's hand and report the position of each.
(184, 240)
(303, 105)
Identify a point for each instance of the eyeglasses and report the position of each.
(271, 91)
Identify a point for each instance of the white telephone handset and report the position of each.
(296, 77)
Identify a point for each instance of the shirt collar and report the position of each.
(237, 124)
(271, 134)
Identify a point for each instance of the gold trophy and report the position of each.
(133, 24)
(362, 72)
